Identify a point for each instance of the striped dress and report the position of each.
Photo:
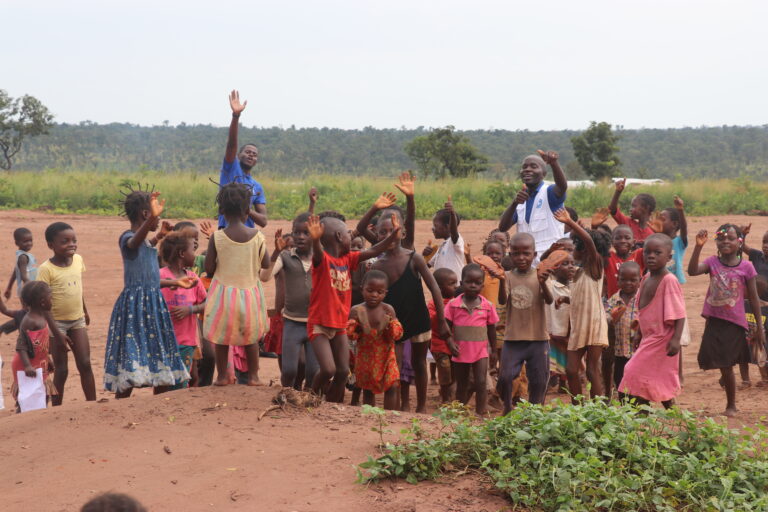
(235, 312)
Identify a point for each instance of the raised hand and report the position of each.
(313, 195)
(544, 275)
(448, 205)
(186, 282)
(165, 228)
(745, 229)
(314, 227)
(406, 182)
(563, 216)
(549, 157)
(429, 249)
(655, 223)
(156, 207)
(701, 237)
(599, 217)
(395, 223)
(617, 313)
(280, 243)
(206, 228)
(234, 102)
(385, 200)
(522, 196)
(621, 184)
(678, 203)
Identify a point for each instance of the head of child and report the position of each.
(61, 239)
(574, 216)
(234, 200)
(441, 224)
(113, 502)
(522, 250)
(191, 227)
(729, 240)
(566, 271)
(499, 236)
(300, 234)
(137, 208)
(335, 236)
(374, 287)
(178, 248)
(494, 250)
(622, 240)
(566, 244)
(533, 171)
(642, 206)
(358, 243)
(384, 226)
(447, 281)
(602, 243)
(629, 277)
(22, 237)
(670, 221)
(472, 280)
(657, 251)
(36, 296)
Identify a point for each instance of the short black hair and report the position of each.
(113, 502)
(175, 242)
(673, 214)
(662, 238)
(648, 201)
(630, 265)
(247, 144)
(442, 274)
(184, 224)
(33, 291)
(302, 217)
(375, 274)
(20, 232)
(234, 199)
(54, 229)
(492, 241)
(472, 267)
(605, 228)
(444, 216)
(573, 213)
(332, 213)
(601, 239)
(497, 230)
(136, 202)
(386, 212)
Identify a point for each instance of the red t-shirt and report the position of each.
(612, 269)
(438, 344)
(640, 234)
(331, 297)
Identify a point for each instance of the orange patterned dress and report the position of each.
(375, 363)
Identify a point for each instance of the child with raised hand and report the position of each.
(25, 267)
(731, 280)
(63, 272)
(331, 297)
(450, 254)
(640, 212)
(675, 226)
(375, 327)
(406, 269)
(184, 304)
(623, 245)
(652, 374)
(622, 312)
(406, 184)
(589, 330)
(16, 315)
(236, 311)
(473, 320)
(443, 348)
(559, 318)
(141, 345)
(526, 339)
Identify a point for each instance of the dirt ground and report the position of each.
(218, 456)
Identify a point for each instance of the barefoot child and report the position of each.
(407, 185)
(731, 280)
(184, 304)
(141, 345)
(375, 327)
(623, 244)
(589, 330)
(442, 349)
(445, 226)
(473, 320)
(63, 272)
(622, 312)
(236, 312)
(526, 339)
(25, 268)
(652, 374)
(640, 212)
(559, 319)
(330, 300)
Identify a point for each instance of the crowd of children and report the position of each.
(553, 305)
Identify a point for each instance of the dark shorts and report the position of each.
(723, 344)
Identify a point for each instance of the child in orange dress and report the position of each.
(376, 328)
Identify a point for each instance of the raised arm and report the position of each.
(265, 274)
(614, 206)
(155, 210)
(384, 244)
(258, 214)
(595, 267)
(694, 267)
(312, 200)
(508, 217)
(552, 158)
(315, 229)
(406, 185)
(385, 200)
(683, 221)
(454, 222)
(237, 109)
(745, 231)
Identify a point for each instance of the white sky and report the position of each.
(391, 63)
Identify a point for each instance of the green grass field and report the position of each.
(191, 195)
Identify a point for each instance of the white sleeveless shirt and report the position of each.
(543, 226)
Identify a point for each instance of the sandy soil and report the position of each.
(221, 457)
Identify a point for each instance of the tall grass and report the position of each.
(191, 195)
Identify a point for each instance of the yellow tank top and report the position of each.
(238, 264)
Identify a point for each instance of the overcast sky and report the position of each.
(391, 63)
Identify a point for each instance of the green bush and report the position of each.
(592, 458)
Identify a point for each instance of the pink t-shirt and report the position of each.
(470, 327)
(725, 296)
(186, 328)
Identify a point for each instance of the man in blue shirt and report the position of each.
(237, 167)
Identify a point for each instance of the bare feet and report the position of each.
(745, 384)
(762, 384)
(421, 410)
(223, 381)
(730, 412)
(254, 382)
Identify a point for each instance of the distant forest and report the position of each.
(726, 151)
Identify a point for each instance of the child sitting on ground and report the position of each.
(652, 374)
(375, 327)
(442, 349)
(25, 267)
(640, 212)
(622, 312)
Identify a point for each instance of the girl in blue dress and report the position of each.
(141, 345)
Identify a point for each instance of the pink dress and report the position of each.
(650, 373)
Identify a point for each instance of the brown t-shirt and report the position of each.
(526, 317)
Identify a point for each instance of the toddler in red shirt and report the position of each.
(443, 349)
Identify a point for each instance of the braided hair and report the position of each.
(234, 199)
(724, 229)
(601, 239)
